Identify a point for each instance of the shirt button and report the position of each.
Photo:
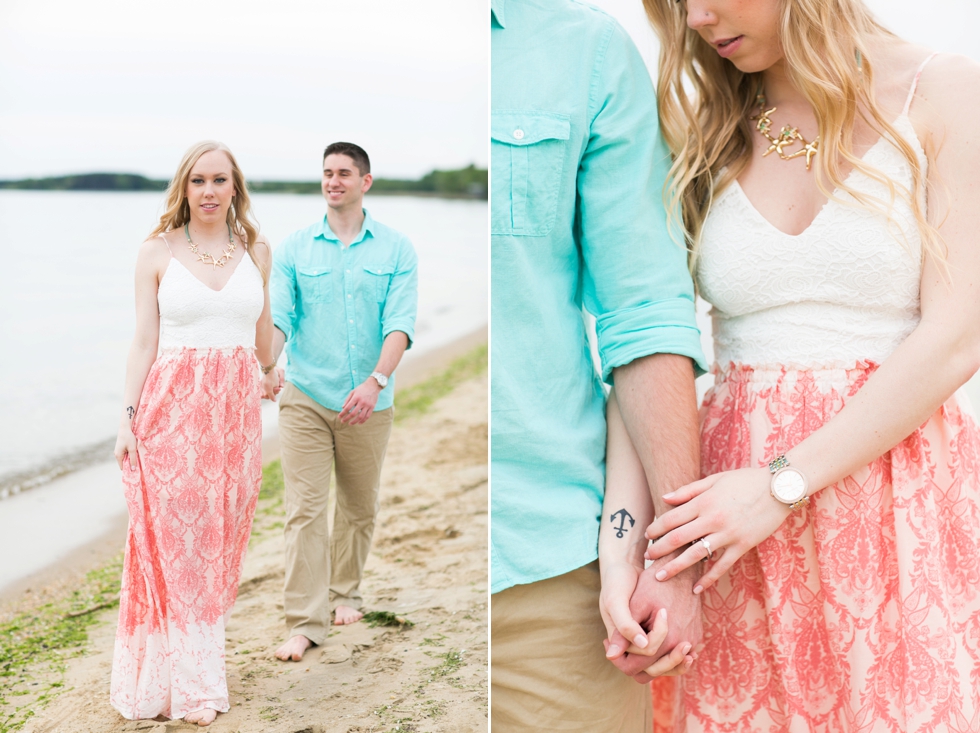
(518, 134)
(348, 295)
(352, 347)
(351, 320)
(348, 272)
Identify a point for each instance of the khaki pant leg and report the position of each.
(307, 449)
(360, 454)
(548, 667)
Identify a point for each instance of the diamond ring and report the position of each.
(707, 546)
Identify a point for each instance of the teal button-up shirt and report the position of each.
(577, 221)
(337, 304)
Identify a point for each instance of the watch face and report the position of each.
(788, 485)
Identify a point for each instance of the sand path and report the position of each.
(428, 566)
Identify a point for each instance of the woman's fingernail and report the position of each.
(668, 495)
(661, 575)
(641, 641)
(613, 650)
(687, 648)
(662, 613)
(698, 589)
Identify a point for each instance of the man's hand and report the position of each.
(684, 630)
(270, 385)
(359, 405)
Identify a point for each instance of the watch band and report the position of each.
(778, 462)
(380, 378)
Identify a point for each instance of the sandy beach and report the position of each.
(426, 578)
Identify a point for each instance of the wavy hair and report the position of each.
(178, 211)
(705, 103)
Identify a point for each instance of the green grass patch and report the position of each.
(273, 488)
(386, 618)
(451, 662)
(434, 641)
(35, 645)
(417, 400)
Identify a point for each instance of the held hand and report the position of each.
(281, 373)
(360, 403)
(733, 511)
(618, 583)
(674, 654)
(270, 385)
(125, 450)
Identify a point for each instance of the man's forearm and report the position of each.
(658, 403)
(392, 350)
(278, 341)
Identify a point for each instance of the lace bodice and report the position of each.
(845, 290)
(195, 316)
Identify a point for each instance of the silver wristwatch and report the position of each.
(380, 378)
(788, 485)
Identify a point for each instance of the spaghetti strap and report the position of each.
(915, 82)
(166, 243)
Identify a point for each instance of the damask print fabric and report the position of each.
(191, 503)
(861, 613)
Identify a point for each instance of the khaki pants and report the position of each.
(322, 572)
(548, 666)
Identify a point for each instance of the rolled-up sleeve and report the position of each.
(401, 303)
(282, 290)
(636, 282)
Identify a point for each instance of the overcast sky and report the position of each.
(114, 85)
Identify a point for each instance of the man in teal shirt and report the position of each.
(344, 293)
(577, 222)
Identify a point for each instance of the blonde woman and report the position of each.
(827, 173)
(189, 442)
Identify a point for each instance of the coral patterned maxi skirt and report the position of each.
(191, 503)
(861, 612)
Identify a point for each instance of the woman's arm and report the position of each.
(151, 262)
(626, 509)
(734, 509)
(264, 328)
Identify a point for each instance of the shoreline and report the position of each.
(73, 564)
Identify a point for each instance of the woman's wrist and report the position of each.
(629, 553)
(126, 419)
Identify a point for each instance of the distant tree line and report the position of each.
(469, 182)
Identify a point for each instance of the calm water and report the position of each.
(66, 301)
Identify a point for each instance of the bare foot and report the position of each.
(343, 615)
(294, 648)
(201, 717)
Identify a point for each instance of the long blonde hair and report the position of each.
(239, 219)
(709, 133)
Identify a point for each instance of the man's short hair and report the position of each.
(352, 151)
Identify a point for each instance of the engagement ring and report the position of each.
(707, 546)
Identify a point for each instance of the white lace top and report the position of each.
(192, 315)
(843, 291)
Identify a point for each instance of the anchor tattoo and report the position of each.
(623, 516)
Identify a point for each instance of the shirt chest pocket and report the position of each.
(315, 284)
(377, 279)
(527, 155)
